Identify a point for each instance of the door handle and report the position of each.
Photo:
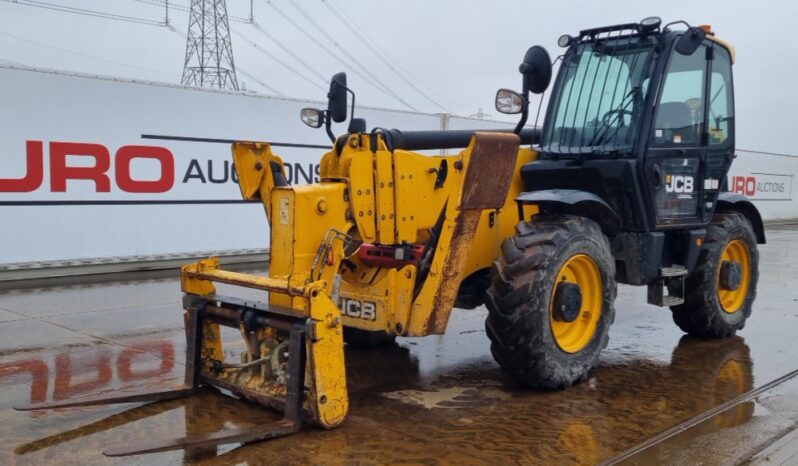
(656, 176)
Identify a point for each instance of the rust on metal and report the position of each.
(490, 171)
(487, 182)
(464, 230)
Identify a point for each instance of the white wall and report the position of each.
(47, 107)
(769, 180)
(192, 216)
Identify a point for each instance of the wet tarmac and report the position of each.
(656, 398)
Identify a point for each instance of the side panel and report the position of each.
(495, 226)
(615, 181)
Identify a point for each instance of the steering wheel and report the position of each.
(605, 120)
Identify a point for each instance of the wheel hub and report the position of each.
(575, 303)
(734, 276)
(731, 275)
(567, 302)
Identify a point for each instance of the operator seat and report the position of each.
(675, 118)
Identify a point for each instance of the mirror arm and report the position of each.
(351, 130)
(681, 21)
(352, 112)
(524, 112)
(328, 125)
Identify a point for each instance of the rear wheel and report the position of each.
(551, 301)
(721, 290)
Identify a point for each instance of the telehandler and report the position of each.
(625, 182)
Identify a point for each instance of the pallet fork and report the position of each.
(315, 338)
(203, 316)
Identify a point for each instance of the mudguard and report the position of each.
(575, 202)
(739, 203)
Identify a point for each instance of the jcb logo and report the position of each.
(678, 184)
(360, 309)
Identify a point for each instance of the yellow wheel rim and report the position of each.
(572, 336)
(732, 300)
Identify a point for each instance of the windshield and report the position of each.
(599, 99)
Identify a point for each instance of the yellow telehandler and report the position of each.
(624, 182)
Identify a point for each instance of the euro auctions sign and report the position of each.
(55, 166)
(763, 186)
(92, 162)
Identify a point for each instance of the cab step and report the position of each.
(673, 271)
(670, 279)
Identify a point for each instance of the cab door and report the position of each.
(720, 115)
(678, 143)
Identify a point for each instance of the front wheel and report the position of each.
(721, 290)
(551, 301)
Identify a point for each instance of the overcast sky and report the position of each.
(457, 53)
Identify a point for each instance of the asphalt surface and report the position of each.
(657, 397)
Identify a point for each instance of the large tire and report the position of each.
(357, 338)
(521, 320)
(704, 313)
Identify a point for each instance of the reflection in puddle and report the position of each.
(451, 398)
(398, 414)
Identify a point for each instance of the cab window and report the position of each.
(721, 100)
(679, 118)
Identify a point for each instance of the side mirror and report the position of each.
(689, 42)
(337, 99)
(536, 69)
(509, 102)
(312, 117)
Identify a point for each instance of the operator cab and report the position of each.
(641, 117)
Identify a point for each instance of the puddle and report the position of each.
(448, 398)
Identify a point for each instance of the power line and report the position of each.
(308, 35)
(111, 16)
(381, 53)
(172, 5)
(6, 60)
(260, 83)
(85, 12)
(287, 50)
(180, 7)
(72, 52)
(278, 60)
(376, 44)
(368, 77)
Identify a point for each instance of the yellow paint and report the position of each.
(581, 270)
(189, 283)
(255, 176)
(385, 208)
(326, 361)
(732, 301)
(375, 196)
(361, 192)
